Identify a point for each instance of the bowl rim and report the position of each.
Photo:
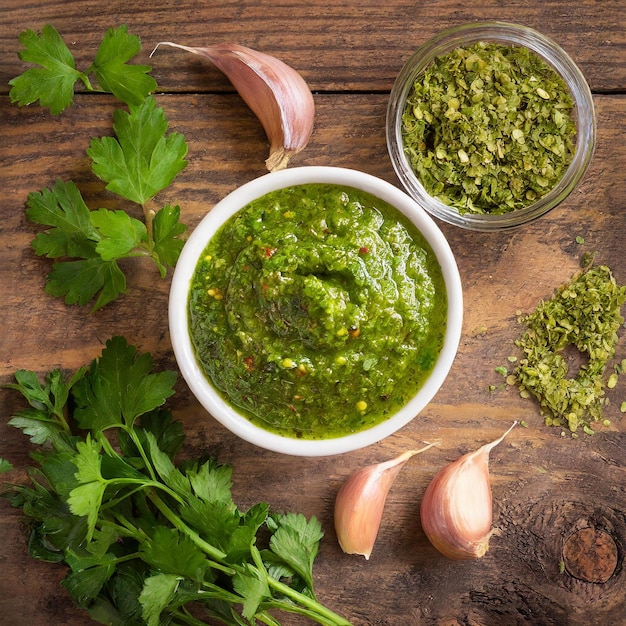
(184, 352)
(504, 32)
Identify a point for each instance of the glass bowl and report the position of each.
(507, 34)
(179, 326)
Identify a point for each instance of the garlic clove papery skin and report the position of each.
(274, 91)
(456, 510)
(359, 508)
(360, 503)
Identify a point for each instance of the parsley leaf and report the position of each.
(63, 208)
(212, 483)
(166, 232)
(85, 499)
(56, 529)
(93, 241)
(39, 428)
(141, 160)
(119, 387)
(75, 235)
(156, 594)
(52, 83)
(60, 470)
(80, 281)
(120, 232)
(167, 432)
(296, 541)
(129, 83)
(253, 587)
(166, 469)
(174, 553)
(88, 576)
(119, 601)
(45, 420)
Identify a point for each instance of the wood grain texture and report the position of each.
(336, 45)
(546, 487)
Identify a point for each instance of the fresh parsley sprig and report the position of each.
(143, 538)
(54, 81)
(137, 163)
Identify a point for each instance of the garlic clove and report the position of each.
(360, 502)
(456, 510)
(276, 93)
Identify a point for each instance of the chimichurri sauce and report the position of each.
(317, 311)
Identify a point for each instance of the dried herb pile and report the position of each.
(584, 314)
(488, 128)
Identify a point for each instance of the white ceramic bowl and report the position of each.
(184, 352)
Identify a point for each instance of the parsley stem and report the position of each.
(124, 528)
(266, 618)
(106, 444)
(126, 557)
(149, 214)
(212, 551)
(188, 619)
(211, 588)
(133, 531)
(147, 483)
(109, 504)
(317, 609)
(62, 416)
(133, 435)
(85, 79)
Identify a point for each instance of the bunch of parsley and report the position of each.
(147, 541)
(141, 160)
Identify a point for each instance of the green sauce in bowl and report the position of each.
(317, 310)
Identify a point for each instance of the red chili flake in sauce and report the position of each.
(269, 252)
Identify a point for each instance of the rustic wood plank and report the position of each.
(336, 45)
(545, 486)
(227, 148)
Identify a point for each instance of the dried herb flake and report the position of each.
(488, 128)
(585, 314)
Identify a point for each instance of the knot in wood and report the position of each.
(590, 555)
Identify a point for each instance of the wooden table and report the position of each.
(546, 487)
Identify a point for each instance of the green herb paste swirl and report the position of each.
(317, 311)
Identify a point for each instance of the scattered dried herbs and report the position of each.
(584, 314)
(488, 128)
